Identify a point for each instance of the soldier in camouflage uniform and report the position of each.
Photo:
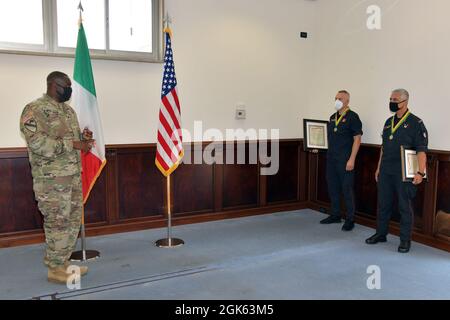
(54, 142)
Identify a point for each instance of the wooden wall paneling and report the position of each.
(262, 197)
(313, 179)
(240, 181)
(442, 192)
(322, 187)
(130, 193)
(141, 185)
(252, 148)
(303, 173)
(95, 209)
(218, 177)
(366, 191)
(419, 207)
(112, 186)
(428, 199)
(193, 186)
(18, 207)
(443, 186)
(284, 185)
(430, 195)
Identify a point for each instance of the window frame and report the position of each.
(50, 46)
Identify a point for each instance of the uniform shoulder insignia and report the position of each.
(27, 116)
(31, 125)
(29, 122)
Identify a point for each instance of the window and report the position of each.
(93, 22)
(115, 29)
(130, 23)
(28, 24)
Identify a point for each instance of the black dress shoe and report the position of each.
(348, 225)
(376, 238)
(331, 219)
(404, 246)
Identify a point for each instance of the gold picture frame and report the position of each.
(315, 134)
(410, 164)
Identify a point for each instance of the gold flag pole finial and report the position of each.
(167, 23)
(80, 7)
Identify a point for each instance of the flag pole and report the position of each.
(169, 212)
(83, 254)
(169, 242)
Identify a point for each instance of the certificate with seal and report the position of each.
(315, 134)
(410, 164)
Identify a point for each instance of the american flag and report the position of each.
(169, 147)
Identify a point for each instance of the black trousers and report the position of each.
(340, 182)
(388, 186)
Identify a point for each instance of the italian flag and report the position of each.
(84, 101)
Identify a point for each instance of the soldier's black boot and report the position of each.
(348, 225)
(376, 238)
(331, 219)
(404, 246)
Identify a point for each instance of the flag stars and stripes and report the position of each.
(169, 70)
(170, 148)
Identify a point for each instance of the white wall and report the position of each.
(412, 50)
(249, 51)
(225, 52)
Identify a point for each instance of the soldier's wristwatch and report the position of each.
(421, 174)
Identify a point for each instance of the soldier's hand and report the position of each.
(87, 134)
(350, 165)
(418, 179)
(85, 145)
(377, 174)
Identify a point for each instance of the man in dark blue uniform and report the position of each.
(344, 137)
(403, 129)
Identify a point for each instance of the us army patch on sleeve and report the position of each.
(30, 125)
(27, 117)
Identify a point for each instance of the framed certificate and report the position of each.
(410, 164)
(315, 134)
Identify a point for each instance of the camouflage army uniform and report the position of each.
(49, 128)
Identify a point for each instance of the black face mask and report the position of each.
(65, 95)
(394, 106)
